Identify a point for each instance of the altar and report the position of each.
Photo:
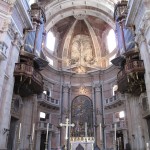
(82, 143)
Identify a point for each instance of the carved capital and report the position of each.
(66, 88)
(97, 87)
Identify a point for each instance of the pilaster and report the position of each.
(65, 110)
(38, 140)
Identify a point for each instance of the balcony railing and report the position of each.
(43, 98)
(131, 78)
(27, 70)
(118, 98)
(3, 49)
(134, 66)
(43, 126)
(121, 125)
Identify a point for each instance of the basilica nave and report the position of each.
(74, 75)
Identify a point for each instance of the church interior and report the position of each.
(74, 74)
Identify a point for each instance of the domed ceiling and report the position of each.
(80, 28)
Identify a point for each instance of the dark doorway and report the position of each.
(79, 147)
(12, 134)
(120, 140)
(43, 140)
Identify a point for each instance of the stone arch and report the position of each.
(55, 12)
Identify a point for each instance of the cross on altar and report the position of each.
(67, 125)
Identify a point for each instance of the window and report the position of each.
(111, 40)
(115, 88)
(111, 58)
(42, 116)
(31, 2)
(121, 114)
(51, 62)
(50, 41)
(45, 92)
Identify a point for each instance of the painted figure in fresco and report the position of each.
(82, 50)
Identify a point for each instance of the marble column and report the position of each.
(38, 140)
(4, 27)
(49, 140)
(28, 118)
(7, 92)
(99, 111)
(65, 112)
(145, 56)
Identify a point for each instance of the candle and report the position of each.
(85, 129)
(147, 146)
(115, 130)
(33, 127)
(100, 129)
(118, 143)
(47, 132)
(19, 131)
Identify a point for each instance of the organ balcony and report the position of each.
(131, 77)
(48, 102)
(28, 79)
(114, 101)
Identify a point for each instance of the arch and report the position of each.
(56, 11)
(82, 113)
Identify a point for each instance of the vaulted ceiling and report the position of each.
(64, 17)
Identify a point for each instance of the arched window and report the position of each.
(31, 2)
(50, 41)
(51, 62)
(115, 88)
(111, 40)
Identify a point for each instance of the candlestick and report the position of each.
(33, 127)
(147, 146)
(115, 131)
(85, 129)
(47, 132)
(19, 131)
(100, 128)
(118, 143)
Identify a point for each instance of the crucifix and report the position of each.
(67, 125)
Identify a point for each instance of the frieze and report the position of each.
(5, 25)
(16, 38)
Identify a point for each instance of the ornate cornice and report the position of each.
(9, 1)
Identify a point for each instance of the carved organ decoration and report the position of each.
(28, 79)
(81, 51)
(81, 113)
(131, 75)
